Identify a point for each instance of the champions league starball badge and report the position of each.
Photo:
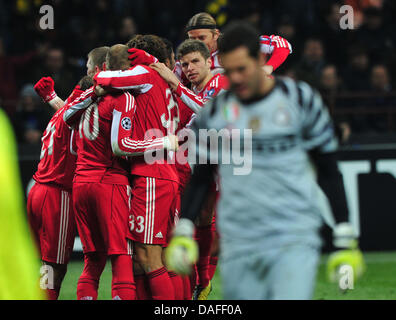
(126, 123)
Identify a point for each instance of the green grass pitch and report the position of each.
(379, 281)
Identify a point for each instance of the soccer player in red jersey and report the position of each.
(49, 204)
(135, 147)
(195, 60)
(50, 210)
(202, 26)
(154, 185)
(101, 188)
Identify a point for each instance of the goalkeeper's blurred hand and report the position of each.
(345, 239)
(182, 251)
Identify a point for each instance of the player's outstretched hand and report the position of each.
(138, 56)
(166, 73)
(182, 251)
(348, 254)
(171, 143)
(45, 89)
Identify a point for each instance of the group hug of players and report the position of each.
(93, 177)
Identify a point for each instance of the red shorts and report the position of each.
(155, 202)
(51, 219)
(184, 178)
(102, 212)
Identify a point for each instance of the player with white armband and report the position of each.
(269, 214)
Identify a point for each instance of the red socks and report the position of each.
(142, 288)
(161, 289)
(178, 285)
(157, 285)
(187, 288)
(52, 294)
(123, 285)
(212, 266)
(160, 285)
(87, 285)
(204, 236)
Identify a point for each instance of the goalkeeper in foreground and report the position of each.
(269, 214)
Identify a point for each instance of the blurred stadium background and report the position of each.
(355, 70)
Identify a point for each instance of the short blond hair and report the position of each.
(117, 57)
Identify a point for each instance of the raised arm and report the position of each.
(276, 46)
(137, 79)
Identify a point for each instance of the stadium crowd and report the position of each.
(337, 62)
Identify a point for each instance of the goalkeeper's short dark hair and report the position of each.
(240, 34)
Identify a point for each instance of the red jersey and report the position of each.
(58, 156)
(216, 66)
(155, 117)
(96, 161)
(275, 47)
(195, 100)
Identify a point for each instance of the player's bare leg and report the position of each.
(149, 256)
(143, 291)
